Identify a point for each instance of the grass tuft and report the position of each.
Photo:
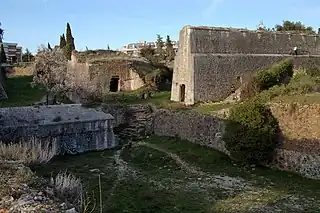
(28, 152)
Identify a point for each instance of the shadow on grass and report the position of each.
(20, 92)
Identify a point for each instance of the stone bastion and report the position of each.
(211, 62)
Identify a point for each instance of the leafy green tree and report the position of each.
(294, 26)
(3, 58)
(62, 41)
(169, 49)
(27, 56)
(108, 47)
(69, 42)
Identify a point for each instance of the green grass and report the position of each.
(162, 100)
(169, 175)
(20, 92)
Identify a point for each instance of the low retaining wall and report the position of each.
(208, 130)
(73, 128)
(202, 129)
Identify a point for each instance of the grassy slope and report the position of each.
(169, 175)
(20, 92)
(162, 100)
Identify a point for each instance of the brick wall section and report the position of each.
(210, 60)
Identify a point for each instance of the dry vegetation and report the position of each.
(23, 70)
(15, 176)
(67, 186)
(28, 152)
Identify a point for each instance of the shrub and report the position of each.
(313, 69)
(277, 74)
(28, 152)
(251, 132)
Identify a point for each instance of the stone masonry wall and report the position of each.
(104, 70)
(202, 129)
(299, 149)
(297, 152)
(94, 77)
(216, 75)
(231, 41)
(182, 73)
(74, 129)
(211, 60)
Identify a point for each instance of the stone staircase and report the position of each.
(138, 124)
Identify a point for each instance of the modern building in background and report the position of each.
(134, 48)
(13, 52)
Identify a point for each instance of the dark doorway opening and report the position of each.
(114, 84)
(182, 92)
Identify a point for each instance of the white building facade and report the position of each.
(134, 48)
(13, 52)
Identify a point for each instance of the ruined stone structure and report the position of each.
(73, 128)
(108, 72)
(212, 61)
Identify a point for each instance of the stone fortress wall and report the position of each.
(297, 151)
(211, 60)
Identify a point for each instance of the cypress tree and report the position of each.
(169, 49)
(159, 47)
(3, 57)
(69, 37)
(69, 42)
(62, 41)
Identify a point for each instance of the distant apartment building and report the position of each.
(134, 48)
(13, 52)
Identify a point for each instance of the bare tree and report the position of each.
(50, 70)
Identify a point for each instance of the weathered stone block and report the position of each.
(75, 129)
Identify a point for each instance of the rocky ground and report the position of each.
(22, 191)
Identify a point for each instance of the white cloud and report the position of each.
(208, 11)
